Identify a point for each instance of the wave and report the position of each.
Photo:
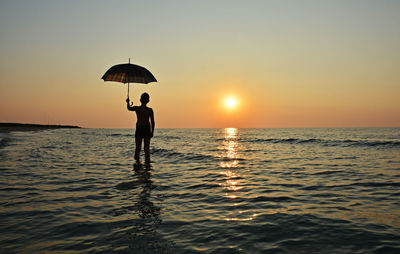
(119, 135)
(187, 156)
(3, 142)
(165, 153)
(378, 184)
(346, 143)
(273, 199)
(190, 156)
(161, 137)
(329, 172)
(4, 139)
(166, 137)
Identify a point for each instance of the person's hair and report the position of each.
(145, 98)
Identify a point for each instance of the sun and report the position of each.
(231, 102)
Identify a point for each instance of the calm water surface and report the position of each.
(206, 191)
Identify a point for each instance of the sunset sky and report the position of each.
(285, 63)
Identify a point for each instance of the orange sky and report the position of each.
(292, 64)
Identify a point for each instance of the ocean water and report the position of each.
(205, 191)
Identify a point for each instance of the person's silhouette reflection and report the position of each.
(146, 208)
(144, 235)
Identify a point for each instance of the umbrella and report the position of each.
(129, 73)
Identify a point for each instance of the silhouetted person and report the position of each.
(144, 125)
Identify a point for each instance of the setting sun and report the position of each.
(231, 102)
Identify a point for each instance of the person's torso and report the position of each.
(143, 115)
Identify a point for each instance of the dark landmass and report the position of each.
(7, 127)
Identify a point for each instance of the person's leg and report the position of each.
(138, 141)
(147, 149)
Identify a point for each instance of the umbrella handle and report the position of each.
(128, 96)
(128, 91)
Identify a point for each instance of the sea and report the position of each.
(205, 191)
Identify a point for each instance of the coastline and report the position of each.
(8, 127)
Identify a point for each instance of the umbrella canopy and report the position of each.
(129, 73)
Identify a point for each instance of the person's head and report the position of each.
(145, 98)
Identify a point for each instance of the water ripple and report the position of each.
(206, 191)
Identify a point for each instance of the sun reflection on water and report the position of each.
(230, 163)
(234, 180)
(230, 148)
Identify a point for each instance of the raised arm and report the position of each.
(130, 107)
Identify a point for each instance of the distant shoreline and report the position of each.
(8, 127)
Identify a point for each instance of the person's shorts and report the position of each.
(143, 131)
